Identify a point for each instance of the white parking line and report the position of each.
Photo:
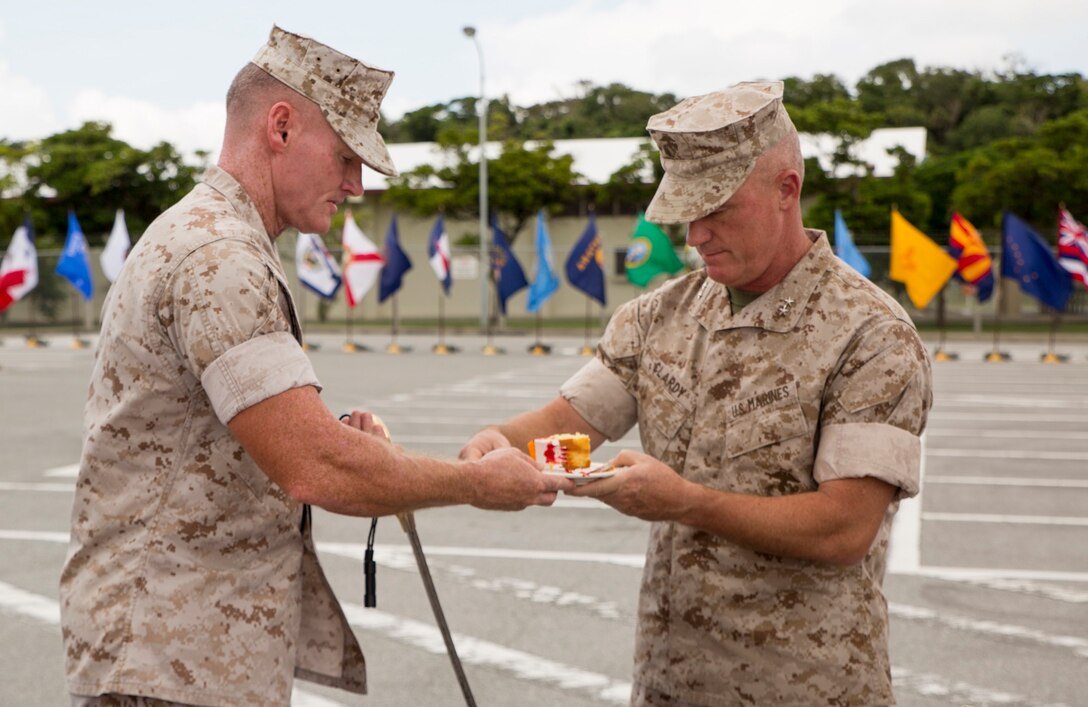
(1008, 481)
(1005, 519)
(1042, 455)
(476, 651)
(1077, 644)
(957, 692)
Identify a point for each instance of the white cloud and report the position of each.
(695, 46)
(26, 112)
(143, 124)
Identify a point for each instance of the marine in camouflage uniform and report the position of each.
(819, 381)
(191, 576)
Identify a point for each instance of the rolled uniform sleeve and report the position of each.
(602, 390)
(876, 409)
(223, 313)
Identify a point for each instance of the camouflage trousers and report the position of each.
(113, 700)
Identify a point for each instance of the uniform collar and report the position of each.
(221, 181)
(779, 308)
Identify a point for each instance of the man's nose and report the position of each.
(353, 183)
(697, 234)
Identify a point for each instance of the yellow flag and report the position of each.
(919, 263)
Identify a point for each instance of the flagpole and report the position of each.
(539, 348)
(996, 356)
(940, 354)
(1050, 356)
(394, 347)
(77, 342)
(489, 348)
(587, 350)
(349, 343)
(440, 349)
(32, 339)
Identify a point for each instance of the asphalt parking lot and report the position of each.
(987, 583)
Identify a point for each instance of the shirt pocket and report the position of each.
(665, 420)
(763, 428)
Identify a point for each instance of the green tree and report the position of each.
(521, 180)
(94, 173)
(1029, 176)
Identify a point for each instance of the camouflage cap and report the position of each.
(346, 90)
(709, 145)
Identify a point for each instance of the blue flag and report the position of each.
(396, 263)
(509, 277)
(545, 283)
(74, 264)
(1027, 258)
(845, 248)
(438, 253)
(585, 266)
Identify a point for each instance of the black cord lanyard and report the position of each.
(370, 570)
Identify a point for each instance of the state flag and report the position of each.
(113, 255)
(918, 262)
(19, 268)
(75, 263)
(438, 253)
(396, 263)
(585, 266)
(317, 269)
(362, 261)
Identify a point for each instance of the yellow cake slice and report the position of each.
(570, 451)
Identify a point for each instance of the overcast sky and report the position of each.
(159, 71)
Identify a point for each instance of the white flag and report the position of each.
(317, 269)
(19, 268)
(116, 250)
(362, 261)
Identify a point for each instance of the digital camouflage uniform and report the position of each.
(191, 577)
(822, 377)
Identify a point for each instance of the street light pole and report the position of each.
(485, 268)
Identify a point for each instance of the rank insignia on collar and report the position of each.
(784, 306)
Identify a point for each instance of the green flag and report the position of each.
(649, 254)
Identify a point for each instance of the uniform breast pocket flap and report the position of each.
(663, 408)
(765, 427)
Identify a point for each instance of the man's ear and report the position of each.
(789, 185)
(280, 126)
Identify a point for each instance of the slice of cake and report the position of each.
(570, 451)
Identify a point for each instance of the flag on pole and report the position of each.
(974, 265)
(317, 269)
(845, 248)
(919, 263)
(362, 261)
(545, 283)
(585, 266)
(649, 254)
(19, 268)
(396, 263)
(509, 277)
(1026, 258)
(438, 253)
(75, 264)
(1073, 246)
(116, 250)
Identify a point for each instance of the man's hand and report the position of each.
(509, 480)
(367, 422)
(643, 487)
(484, 441)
